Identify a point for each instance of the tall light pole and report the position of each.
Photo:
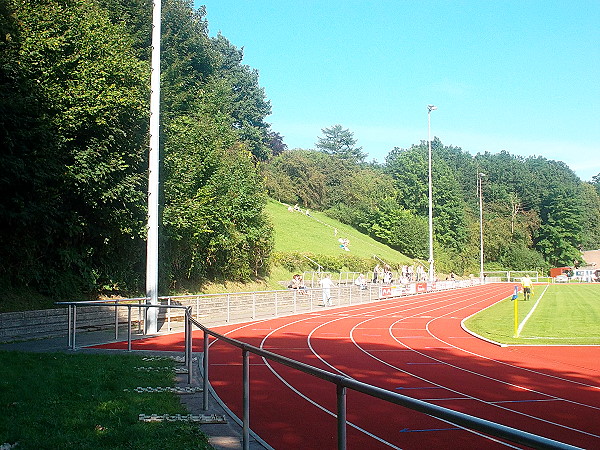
(480, 191)
(431, 270)
(151, 323)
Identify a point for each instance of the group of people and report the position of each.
(297, 283)
(326, 284)
(298, 209)
(407, 274)
(382, 274)
(344, 244)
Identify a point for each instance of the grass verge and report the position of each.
(57, 400)
(564, 315)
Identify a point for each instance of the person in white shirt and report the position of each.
(326, 284)
(360, 281)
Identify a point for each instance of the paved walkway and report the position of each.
(221, 436)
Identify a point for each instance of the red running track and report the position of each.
(414, 346)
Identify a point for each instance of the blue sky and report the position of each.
(521, 76)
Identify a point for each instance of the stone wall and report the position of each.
(25, 325)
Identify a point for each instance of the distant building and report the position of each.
(559, 271)
(592, 258)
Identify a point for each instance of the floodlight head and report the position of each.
(431, 108)
(482, 174)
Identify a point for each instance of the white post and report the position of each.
(153, 175)
(431, 265)
(480, 188)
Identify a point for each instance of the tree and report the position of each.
(559, 236)
(591, 217)
(214, 130)
(409, 169)
(298, 176)
(74, 90)
(402, 230)
(84, 96)
(340, 143)
(248, 105)
(275, 143)
(596, 182)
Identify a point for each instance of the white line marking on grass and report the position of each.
(530, 313)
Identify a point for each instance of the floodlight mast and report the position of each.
(480, 191)
(151, 322)
(431, 265)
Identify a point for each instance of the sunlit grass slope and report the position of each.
(316, 234)
(565, 315)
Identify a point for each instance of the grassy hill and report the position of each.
(297, 232)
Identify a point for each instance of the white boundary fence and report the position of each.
(209, 309)
(340, 383)
(510, 275)
(219, 309)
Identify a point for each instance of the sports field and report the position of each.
(410, 345)
(557, 314)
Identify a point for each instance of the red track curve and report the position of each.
(415, 346)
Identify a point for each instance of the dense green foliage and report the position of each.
(74, 95)
(74, 113)
(536, 212)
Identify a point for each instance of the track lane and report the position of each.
(415, 346)
(346, 362)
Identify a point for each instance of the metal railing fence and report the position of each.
(342, 383)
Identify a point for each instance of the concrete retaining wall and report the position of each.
(25, 325)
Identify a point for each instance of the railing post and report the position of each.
(246, 399)
(228, 316)
(128, 327)
(188, 318)
(146, 319)
(74, 326)
(186, 338)
(70, 326)
(139, 316)
(169, 314)
(116, 320)
(295, 299)
(341, 416)
(205, 373)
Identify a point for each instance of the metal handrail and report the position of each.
(343, 383)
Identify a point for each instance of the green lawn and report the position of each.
(565, 315)
(297, 232)
(63, 401)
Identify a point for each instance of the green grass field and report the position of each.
(297, 232)
(564, 315)
(64, 401)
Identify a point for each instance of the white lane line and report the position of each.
(530, 313)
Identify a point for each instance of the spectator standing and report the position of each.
(326, 285)
(375, 273)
